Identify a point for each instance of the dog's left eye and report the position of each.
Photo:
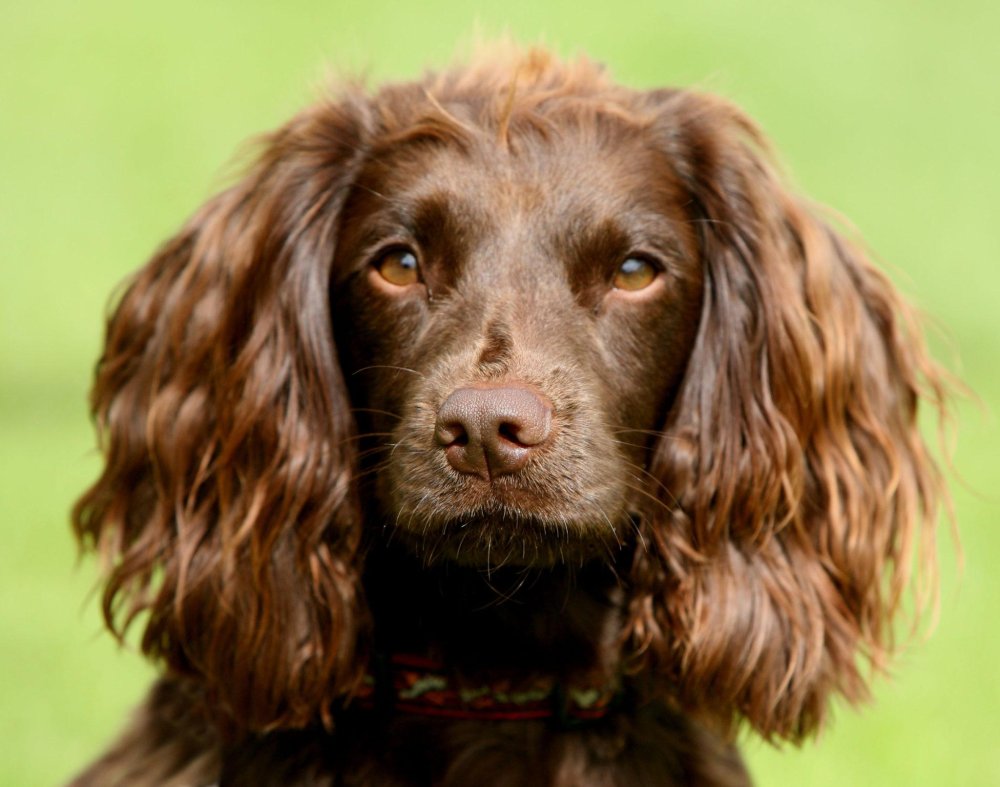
(634, 274)
(399, 267)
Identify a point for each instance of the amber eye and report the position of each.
(634, 274)
(399, 267)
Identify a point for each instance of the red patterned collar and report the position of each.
(419, 686)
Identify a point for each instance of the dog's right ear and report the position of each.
(226, 511)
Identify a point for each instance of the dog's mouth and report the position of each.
(499, 534)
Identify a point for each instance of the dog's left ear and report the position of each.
(796, 489)
(226, 510)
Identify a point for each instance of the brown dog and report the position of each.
(506, 427)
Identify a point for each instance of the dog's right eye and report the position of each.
(634, 274)
(399, 267)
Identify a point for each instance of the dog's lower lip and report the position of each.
(499, 519)
(498, 514)
(502, 495)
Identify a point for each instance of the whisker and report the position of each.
(368, 189)
(376, 411)
(652, 432)
(642, 471)
(607, 519)
(629, 444)
(654, 498)
(372, 451)
(638, 534)
(358, 437)
(504, 596)
(461, 542)
(394, 447)
(719, 222)
(389, 366)
(370, 471)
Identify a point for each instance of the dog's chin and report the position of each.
(501, 539)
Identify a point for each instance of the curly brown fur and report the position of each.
(721, 507)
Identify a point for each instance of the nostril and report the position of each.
(510, 431)
(451, 434)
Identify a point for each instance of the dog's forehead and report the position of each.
(547, 174)
(553, 183)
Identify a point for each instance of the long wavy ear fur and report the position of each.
(225, 509)
(797, 491)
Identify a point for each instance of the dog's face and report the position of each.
(514, 315)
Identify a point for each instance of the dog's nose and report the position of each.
(492, 429)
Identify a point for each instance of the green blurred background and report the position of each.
(117, 119)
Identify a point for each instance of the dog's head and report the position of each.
(520, 279)
(514, 314)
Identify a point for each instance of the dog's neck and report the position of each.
(560, 621)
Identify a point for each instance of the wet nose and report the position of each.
(490, 430)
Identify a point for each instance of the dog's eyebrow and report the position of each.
(623, 233)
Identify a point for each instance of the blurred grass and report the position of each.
(117, 119)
